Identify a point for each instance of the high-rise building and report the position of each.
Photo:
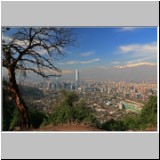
(77, 75)
(77, 78)
(57, 83)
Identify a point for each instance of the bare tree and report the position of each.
(32, 49)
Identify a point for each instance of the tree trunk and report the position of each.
(26, 121)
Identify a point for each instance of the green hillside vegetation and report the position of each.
(11, 115)
(71, 110)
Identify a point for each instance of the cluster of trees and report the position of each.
(71, 110)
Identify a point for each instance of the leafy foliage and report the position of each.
(69, 98)
(16, 120)
(113, 125)
(37, 118)
(71, 110)
(149, 112)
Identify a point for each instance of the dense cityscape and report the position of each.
(108, 99)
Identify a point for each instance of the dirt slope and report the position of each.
(72, 127)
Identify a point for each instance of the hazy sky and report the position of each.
(113, 53)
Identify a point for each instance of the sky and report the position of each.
(112, 53)
(101, 51)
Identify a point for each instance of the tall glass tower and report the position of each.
(57, 84)
(77, 78)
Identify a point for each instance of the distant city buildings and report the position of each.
(51, 84)
(108, 99)
(136, 91)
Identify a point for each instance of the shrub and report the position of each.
(16, 120)
(37, 118)
(113, 125)
(70, 111)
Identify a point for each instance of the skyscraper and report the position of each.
(77, 75)
(77, 78)
(57, 84)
